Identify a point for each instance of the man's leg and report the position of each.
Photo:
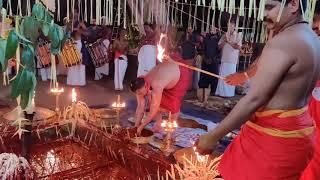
(157, 126)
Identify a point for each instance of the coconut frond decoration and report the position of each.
(14, 167)
(51, 5)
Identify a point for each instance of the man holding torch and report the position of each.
(275, 141)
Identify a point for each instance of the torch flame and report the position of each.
(160, 48)
(74, 95)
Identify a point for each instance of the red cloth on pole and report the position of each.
(257, 155)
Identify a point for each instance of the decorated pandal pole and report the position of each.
(83, 132)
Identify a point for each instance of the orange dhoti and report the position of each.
(273, 145)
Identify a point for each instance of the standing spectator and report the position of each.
(230, 44)
(210, 61)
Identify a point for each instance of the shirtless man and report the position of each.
(164, 86)
(120, 47)
(275, 139)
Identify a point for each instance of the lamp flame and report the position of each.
(160, 48)
(74, 95)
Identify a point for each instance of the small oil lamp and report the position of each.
(118, 106)
(57, 92)
(169, 127)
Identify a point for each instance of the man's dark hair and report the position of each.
(137, 84)
(303, 2)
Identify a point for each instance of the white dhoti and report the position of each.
(44, 73)
(224, 89)
(61, 69)
(77, 74)
(103, 70)
(120, 67)
(147, 59)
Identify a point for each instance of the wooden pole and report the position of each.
(195, 69)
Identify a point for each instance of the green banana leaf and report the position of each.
(3, 44)
(55, 39)
(47, 17)
(38, 11)
(27, 96)
(11, 48)
(14, 86)
(28, 58)
(31, 29)
(45, 28)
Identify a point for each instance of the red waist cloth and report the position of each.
(257, 155)
(172, 98)
(118, 54)
(312, 172)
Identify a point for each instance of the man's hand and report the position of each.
(206, 145)
(139, 130)
(236, 79)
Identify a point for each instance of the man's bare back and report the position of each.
(121, 45)
(164, 76)
(303, 57)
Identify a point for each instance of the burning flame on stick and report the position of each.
(74, 95)
(160, 48)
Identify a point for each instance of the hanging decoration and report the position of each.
(261, 11)
(208, 20)
(125, 15)
(29, 8)
(194, 26)
(132, 5)
(181, 23)
(136, 16)
(91, 11)
(9, 7)
(119, 12)
(68, 10)
(85, 11)
(19, 10)
(141, 11)
(80, 12)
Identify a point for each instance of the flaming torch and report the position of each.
(161, 55)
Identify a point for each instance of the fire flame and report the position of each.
(74, 95)
(56, 90)
(160, 48)
(200, 158)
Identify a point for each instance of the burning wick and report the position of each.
(200, 158)
(56, 90)
(160, 48)
(118, 104)
(74, 95)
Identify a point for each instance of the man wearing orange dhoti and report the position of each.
(276, 138)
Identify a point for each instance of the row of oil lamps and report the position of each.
(168, 126)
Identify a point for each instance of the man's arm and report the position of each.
(140, 109)
(222, 41)
(155, 104)
(273, 65)
(240, 78)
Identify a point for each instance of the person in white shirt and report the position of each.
(147, 56)
(230, 44)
